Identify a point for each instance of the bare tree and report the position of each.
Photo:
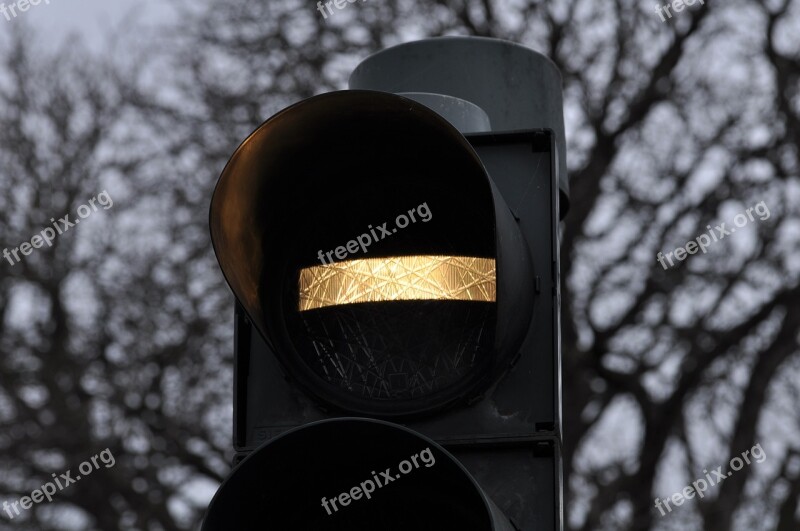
(110, 336)
(674, 127)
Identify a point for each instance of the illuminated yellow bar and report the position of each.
(400, 278)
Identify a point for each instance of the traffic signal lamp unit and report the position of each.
(393, 250)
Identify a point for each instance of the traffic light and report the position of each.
(393, 251)
(353, 474)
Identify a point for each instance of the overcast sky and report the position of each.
(93, 19)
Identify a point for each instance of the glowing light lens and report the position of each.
(401, 278)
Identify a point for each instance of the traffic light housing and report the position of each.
(448, 326)
(400, 480)
(419, 316)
